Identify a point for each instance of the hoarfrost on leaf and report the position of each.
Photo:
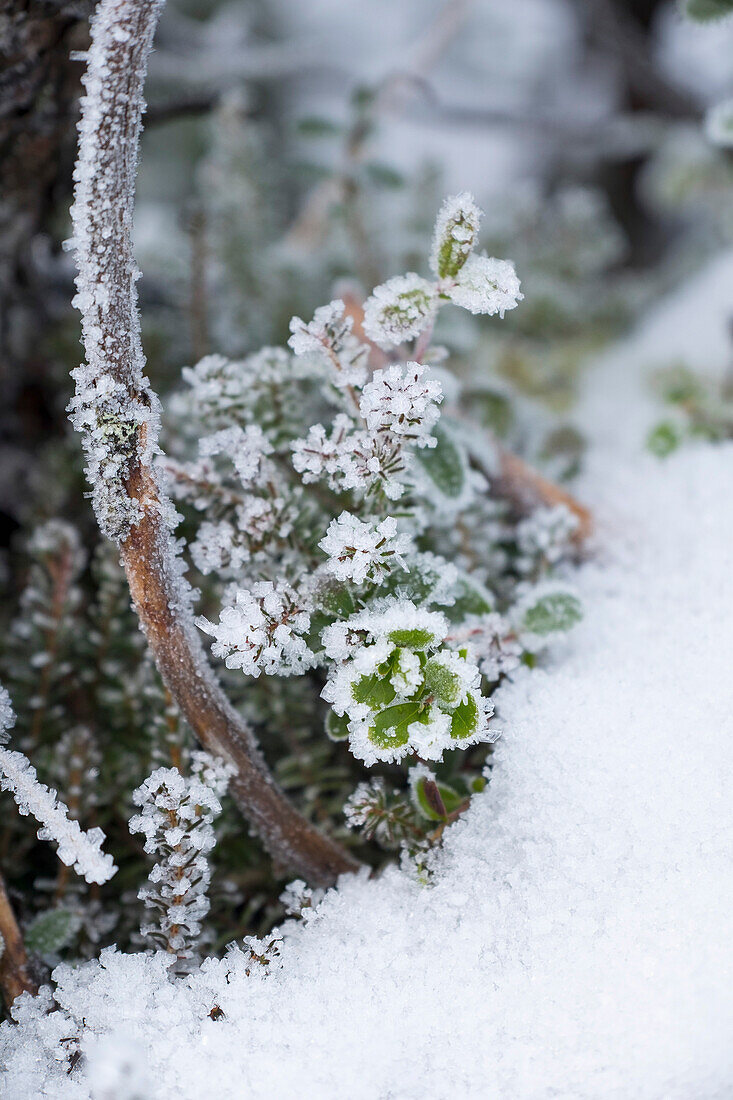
(403, 401)
(455, 234)
(399, 310)
(486, 285)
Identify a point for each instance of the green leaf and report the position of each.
(336, 599)
(415, 637)
(390, 726)
(337, 726)
(557, 611)
(706, 11)
(424, 797)
(664, 439)
(419, 584)
(444, 464)
(51, 931)
(443, 683)
(374, 690)
(465, 719)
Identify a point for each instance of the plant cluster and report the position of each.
(371, 592)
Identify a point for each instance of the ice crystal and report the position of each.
(76, 848)
(493, 644)
(176, 816)
(246, 447)
(402, 691)
(347, 458)
(114, 407)
(329, 338)
(263, 631)
(544, 536)
(403, 401)
(360, 551)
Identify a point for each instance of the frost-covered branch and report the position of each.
(15, 977)
(117, 413)
(76, 848)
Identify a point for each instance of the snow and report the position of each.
(574, 940)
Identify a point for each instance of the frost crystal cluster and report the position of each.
(360, 551)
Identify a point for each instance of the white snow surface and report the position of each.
(576, 940)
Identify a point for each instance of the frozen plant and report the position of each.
(360, 551)
(400, 689)
(263, 631)
(404, 308)
(378, 484)
(329, 340)
(76, 848)
(176, 819)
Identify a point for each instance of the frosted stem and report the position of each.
(117, 412)
(15, 975)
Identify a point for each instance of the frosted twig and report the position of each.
(15, 975)
(117, 412)
(82, 850)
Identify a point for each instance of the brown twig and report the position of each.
(527, 488)
(15, 976)
(109, 132)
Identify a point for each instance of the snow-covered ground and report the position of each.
(576, 940)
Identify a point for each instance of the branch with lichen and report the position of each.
(117, 413)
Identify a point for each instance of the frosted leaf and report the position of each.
(399, 310)
(245, 447)
(402, 691)
(263, 631)
(360, 551)
(543, 609)
(486, 285)
(492, 641)
(545, 536)
(298, 897)
(349, 459)
(456, 231)
(224, 391)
